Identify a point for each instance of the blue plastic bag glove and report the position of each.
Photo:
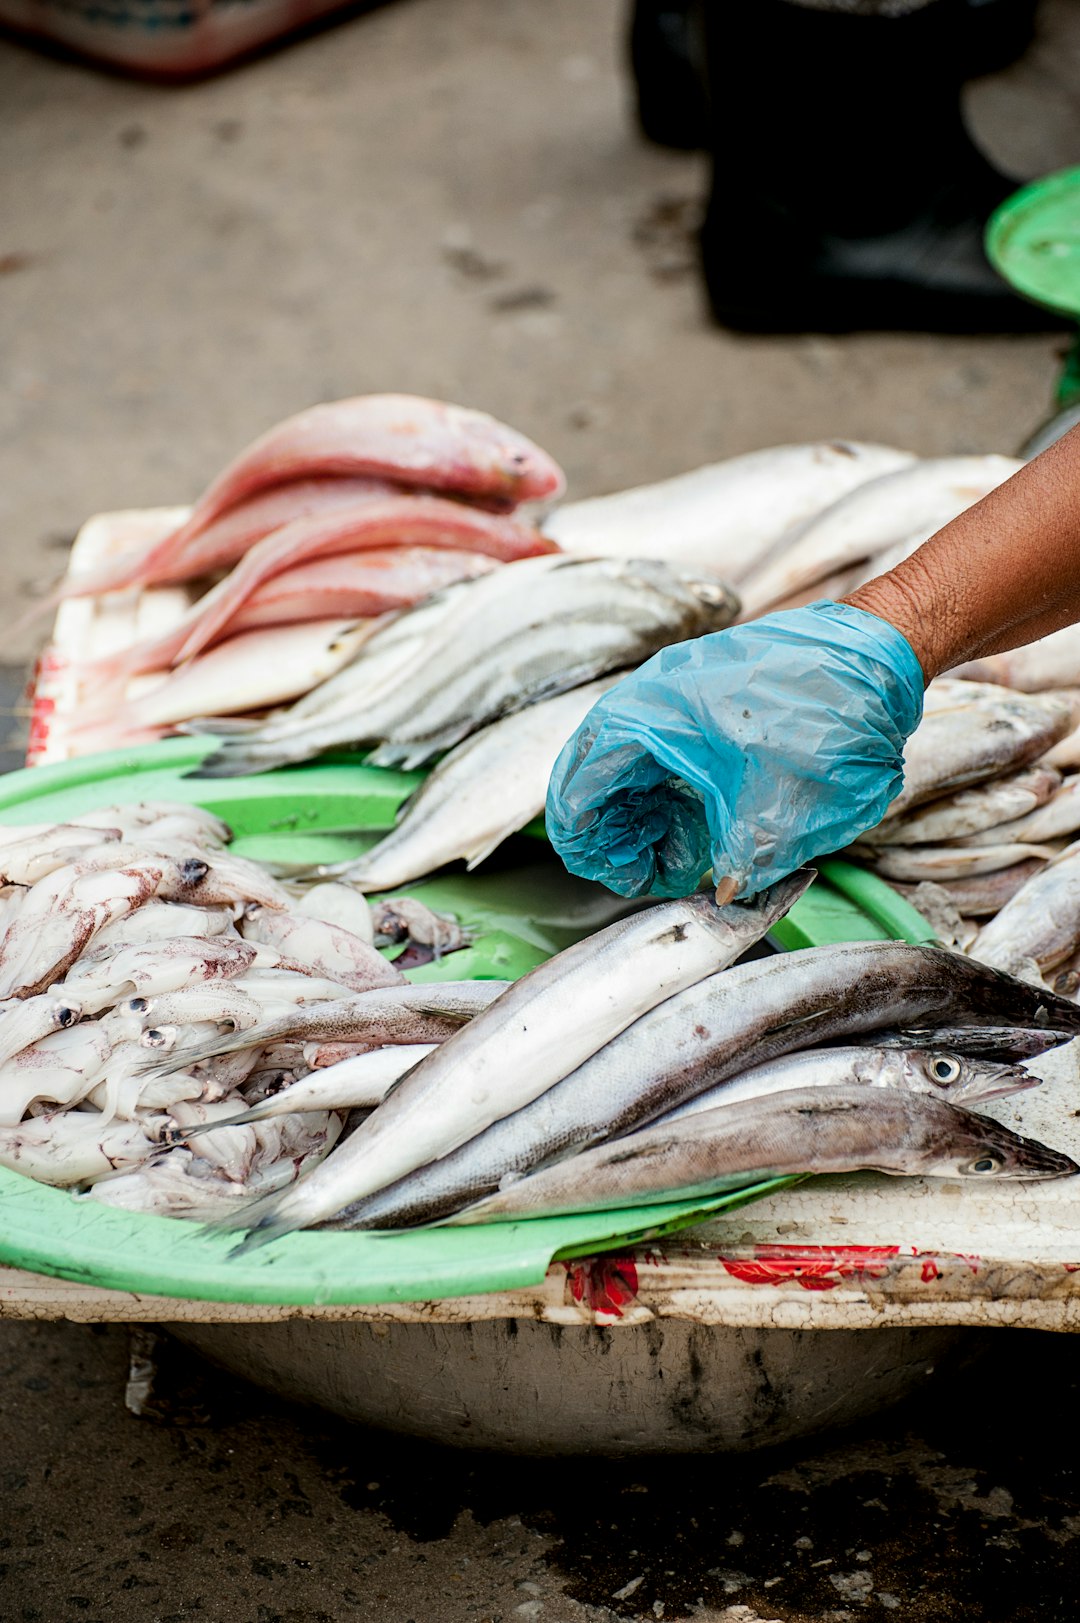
(750, 751)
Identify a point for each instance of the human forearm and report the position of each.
(1003, 573)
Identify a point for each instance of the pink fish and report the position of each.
(357, 584)
(419, 521)
(403, 438)
(225, 540)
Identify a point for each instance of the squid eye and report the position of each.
(944, 1069)
(154, 1038)
(66, 1017)
(138, 1005)
(985, 1164)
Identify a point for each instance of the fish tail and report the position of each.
(237, 761)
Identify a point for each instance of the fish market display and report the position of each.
(721, 1028)
(487, 649)
(726, 517)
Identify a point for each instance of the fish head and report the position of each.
(983, 1151)
(718, 604)
(963, 1080)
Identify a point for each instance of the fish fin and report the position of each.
(238, 762)
(265, 1232)
(477, 853)
(218, 726)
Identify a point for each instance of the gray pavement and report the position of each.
(448, 196)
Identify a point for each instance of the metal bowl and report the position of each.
(530, 1387)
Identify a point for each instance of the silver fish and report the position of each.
(924, 495)
(546, 1024)
(522, 634)
(985, 894)
(979, 1042)
(987, 806)
(1058, 816)
(810, 1130)
(484, 790)
(353, 1084)
(963, 744)
(746, 1016)
(954, 1077)
(1041, 922)
(726, 516)
(914, 863)
(387, 1015)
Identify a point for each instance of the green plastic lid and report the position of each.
(1033, 240)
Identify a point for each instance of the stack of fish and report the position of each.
(348, 512)
(979, 837)
(645, 1062)
(132, 934)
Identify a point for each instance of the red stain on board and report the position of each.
(604, 1284)
(815, 1268)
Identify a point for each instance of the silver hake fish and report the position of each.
(544, 1026)
(749, 1015)
(809, 1130)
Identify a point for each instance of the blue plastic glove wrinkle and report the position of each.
(750, 751)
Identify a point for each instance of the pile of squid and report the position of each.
(132, 936)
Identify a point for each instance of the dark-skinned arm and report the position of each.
(1004, 573)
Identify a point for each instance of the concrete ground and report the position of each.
(449, 196)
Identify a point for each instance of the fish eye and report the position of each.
(944, 1069)
(985, 1164)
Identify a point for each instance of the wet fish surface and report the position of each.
(809, 1130)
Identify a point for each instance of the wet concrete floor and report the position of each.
(221, 1504)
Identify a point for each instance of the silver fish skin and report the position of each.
(515, 637)
(385, 1016)
(971, 812)
(748, 1015)
(809, 1130)
(953, 1077)
(923, 495)
(978, 1042)
(485, 789)
(325, 948)
(915, 863)
(959, 745)
(353, 1084)
(1041, 922)
(985, 894)
(547, 1023)
(728, 515)
(1055, 818)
